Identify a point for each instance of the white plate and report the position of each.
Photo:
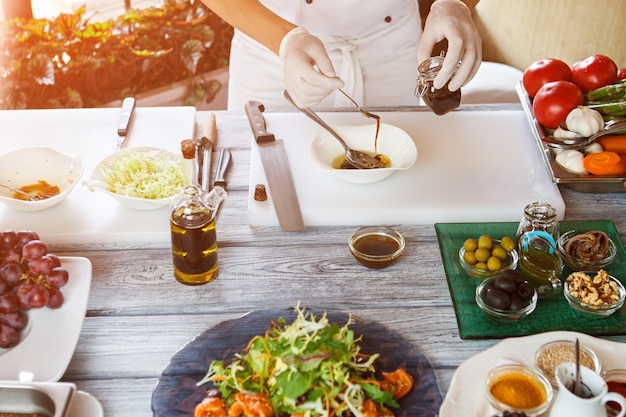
(47, 349)
(466, 397)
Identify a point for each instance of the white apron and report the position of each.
(372, 44)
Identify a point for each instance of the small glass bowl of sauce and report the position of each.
(376, 246)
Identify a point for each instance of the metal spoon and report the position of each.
(31, 197)
(578, 387)
(577, 376)
(581, 141)
(363, 111)
(359, 159)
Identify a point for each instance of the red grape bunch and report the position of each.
(30, 277)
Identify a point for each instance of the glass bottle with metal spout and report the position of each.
(193, 233)
(442, 100)
(539, 259)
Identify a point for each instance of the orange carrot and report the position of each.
(605, 163)
(613, 143)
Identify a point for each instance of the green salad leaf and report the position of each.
(310, 366)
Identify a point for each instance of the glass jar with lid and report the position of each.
(539, 259)
(442, 100)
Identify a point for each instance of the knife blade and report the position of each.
(204, 151)
(128, 107)
(277, 170)
(222, 165)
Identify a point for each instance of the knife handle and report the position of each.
(222, 164)
(254, 111)
(210, 127)
(128, 106)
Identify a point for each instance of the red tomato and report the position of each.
(621, 74)
(594, 72)
(544, 71)
(554, 101)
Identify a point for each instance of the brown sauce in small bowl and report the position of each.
(41, 189)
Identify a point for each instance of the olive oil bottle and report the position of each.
(194, 239)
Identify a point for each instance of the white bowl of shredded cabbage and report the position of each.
(142, 178)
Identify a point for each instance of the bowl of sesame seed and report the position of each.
(551, 354)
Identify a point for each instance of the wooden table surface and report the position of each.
(138, 316)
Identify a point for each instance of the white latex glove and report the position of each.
(452, 20)
(308, 72)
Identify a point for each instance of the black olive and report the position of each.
(497, 299)
(525, 290)
(517, 303)
(505, 283)
(488, 287)
(515, 275)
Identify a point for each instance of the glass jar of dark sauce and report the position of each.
(440, 101)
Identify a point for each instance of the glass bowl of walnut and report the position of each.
(594, 294)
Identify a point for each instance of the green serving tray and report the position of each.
(553, 313)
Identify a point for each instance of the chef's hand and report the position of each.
(308, 72)
(452, 20)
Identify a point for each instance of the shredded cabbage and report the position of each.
(144, 175)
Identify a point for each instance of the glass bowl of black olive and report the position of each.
(507, 296)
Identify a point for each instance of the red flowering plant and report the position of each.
(69, 62)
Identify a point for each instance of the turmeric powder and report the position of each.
(518, 391)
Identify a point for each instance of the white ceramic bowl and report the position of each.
(97, 180)
(29, 165)
(393, 142)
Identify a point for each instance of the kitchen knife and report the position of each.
(277, 170)
(128, 107)
(222, 165)
(205, 147)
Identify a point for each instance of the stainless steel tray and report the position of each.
(581, 183)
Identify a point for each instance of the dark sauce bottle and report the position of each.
(194, 239)
(440, 101)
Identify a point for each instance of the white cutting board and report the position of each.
(472, 166)
(86, 216)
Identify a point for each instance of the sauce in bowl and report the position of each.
(41, 190)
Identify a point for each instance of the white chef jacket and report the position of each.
(372, 44)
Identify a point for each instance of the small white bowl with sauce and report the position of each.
(28, 167)
(327, 153)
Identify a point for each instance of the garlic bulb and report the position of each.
(584, 121)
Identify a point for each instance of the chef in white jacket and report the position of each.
(369, 48)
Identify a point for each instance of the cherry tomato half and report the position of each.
(594, 72)
(554, 101)
(621, 74)
(544, 71)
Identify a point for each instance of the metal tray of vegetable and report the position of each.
(581, 132)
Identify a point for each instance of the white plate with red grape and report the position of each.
(43, 299)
